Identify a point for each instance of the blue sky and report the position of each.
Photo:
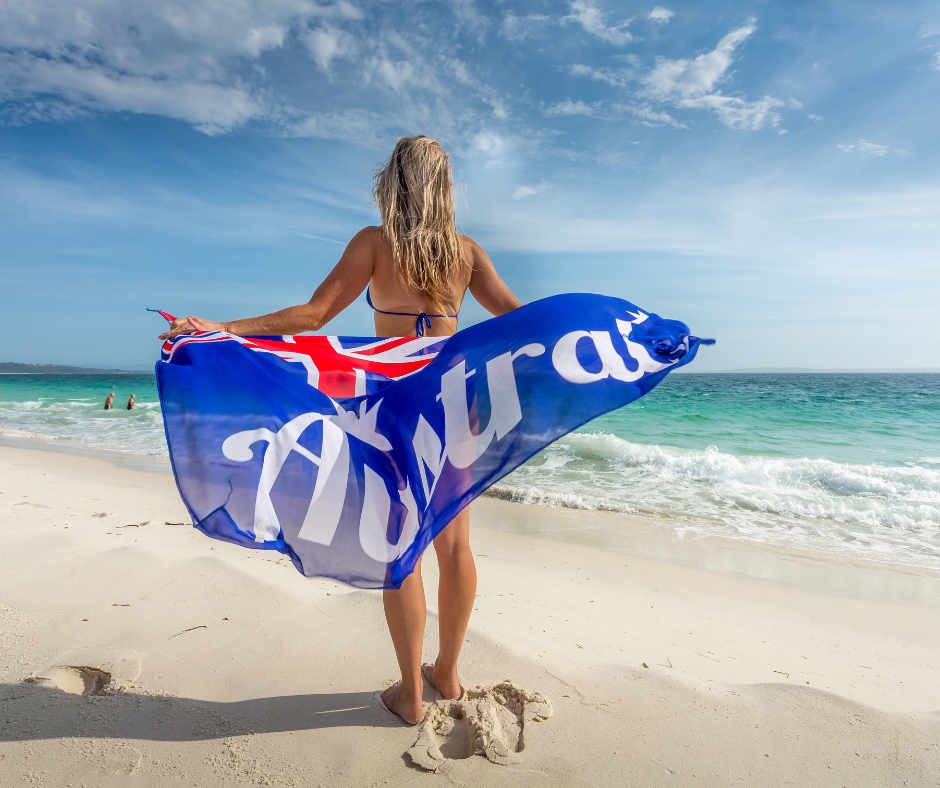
(766, 172)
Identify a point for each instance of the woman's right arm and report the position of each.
(342, 286)
(491, 292)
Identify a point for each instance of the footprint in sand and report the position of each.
(487, 721)
(76, 679)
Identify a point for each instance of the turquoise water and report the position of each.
(70, 409)
(838, 463)
(846, 463)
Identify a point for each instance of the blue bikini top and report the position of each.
(424, 319)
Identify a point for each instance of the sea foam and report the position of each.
(869, 510)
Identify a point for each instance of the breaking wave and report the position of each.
(874, 510)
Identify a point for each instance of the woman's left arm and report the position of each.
(340, 288)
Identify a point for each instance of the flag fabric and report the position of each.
(351, 454)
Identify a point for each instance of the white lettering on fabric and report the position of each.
(329, 492)
(464, 446)
(461, 446)
(362, 426)
(430, 455)
(373, 520)
(565, 356)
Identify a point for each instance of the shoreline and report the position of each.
(228, 667)
(645, 536)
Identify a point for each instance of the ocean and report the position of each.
(845, 464)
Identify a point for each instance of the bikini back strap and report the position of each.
(424, 319)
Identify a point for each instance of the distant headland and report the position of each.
(11, 368)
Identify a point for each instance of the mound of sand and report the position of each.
(488, 721)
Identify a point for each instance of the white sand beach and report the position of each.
(710, 664)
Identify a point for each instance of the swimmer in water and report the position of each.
(109, 402)
(130, 402)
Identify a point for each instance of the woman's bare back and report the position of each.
(390, 295)
(367, 262)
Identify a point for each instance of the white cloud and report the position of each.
(362, 126)
(813, 117)
(397, 74)
(694, 84)
(660, 15)
(612, 78)
(696, 78)
(192, 61)
(516, 28)
(569, 107)
(591, 18)
(210, 107)
(488, 142)
(868, 148)
(649, 116)
(404, 67)
(326, 43)
(528, 191)
(736, 112)
(260, 39)
(499, 108)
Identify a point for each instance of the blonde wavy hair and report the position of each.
(415, 195)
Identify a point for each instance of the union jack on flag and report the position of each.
(340, 367)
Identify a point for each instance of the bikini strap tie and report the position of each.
(423, 320)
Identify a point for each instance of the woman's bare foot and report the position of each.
(409, 708)
(449, 687)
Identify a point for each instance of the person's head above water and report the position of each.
(415, 195)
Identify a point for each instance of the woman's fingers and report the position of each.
(178, 327)
(190, 325)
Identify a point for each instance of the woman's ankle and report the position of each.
(445, 679)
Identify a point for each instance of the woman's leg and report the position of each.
(405, 612)
(455, 596)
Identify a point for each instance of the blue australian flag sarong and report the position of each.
(351, 455)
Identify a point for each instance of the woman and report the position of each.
(415, 265)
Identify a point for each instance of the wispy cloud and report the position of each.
(191, 61)
(517, 28)
(569, 107)
(528, 191)
(592, 19)
(683, 79)
(611, 77)
(218, 68)
(660, 15)
(648, 116)
(694, 84)
(865, 148)
(326, 43)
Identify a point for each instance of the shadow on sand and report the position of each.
(34, 711)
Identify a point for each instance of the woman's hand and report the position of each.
(189, 325)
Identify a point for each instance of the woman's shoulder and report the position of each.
(473, 250)
(470, 246)
(370, 234)
(369, 240)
